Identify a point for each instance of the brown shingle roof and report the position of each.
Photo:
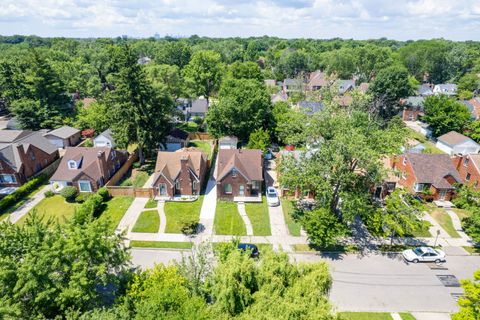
(247, 162)
(453, 138)
(168, 163)
(433, 169)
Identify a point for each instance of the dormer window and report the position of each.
(234, 172)
(72, 164)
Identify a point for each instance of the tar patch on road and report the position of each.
(448, 280)
(435, 266)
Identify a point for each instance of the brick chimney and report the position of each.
(102, 163)
(185, 183)
(28, 167)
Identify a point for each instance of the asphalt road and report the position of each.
(370, 283)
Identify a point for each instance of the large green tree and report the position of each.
(203, 73)
(445, 114)
(470, 302)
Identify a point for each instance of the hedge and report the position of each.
(22, 192)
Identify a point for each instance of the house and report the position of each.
(449, 89)
(412, 146)
(175, 140)
(431, 176)
(468, 166)
(7, 123)
(64, 137)
(309, 107)
(425, 89)
(344, 86)
(412, 108)
(144, 60)
(317, 80)
(228, 142)
(183, 105)
(292, 85)
(390, 182)
(198, 108)
(363, 87)
(23, 154)
(298, 156)
(104, 139)
(180, 173)
(278, 97)
(455, 143)
(239, 174)
(87, 169)
(473, 106)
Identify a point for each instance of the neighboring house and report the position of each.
(309, 107)
(180, 173)
(468, 166)
(413, 146)
(228, 142)
(316, 81)
(23, 154)
(104, 139)
(425, 90)
(298, 155)
(455, 143)
(412, 108)
(175, 140)
(344, 86)
(390, 182)
(64, 137)
(239, 173)
(363, 87)
(292, 85)
(431, 176)
(473, 106)
(183, 105)
(87, 169)
(7, 123)
(449, 89)
(278, 97)
(199, 108)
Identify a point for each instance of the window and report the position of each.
(465, 162)
(194, 185)
(255, 185)
(467, 177)
(84, 186)
(72, 164)
(177, 184)
(32, 155)
(234, 172)
(227, 188)
(1, 166)
(404, 161)
(404, 176)
(7, 178)
(114, 154)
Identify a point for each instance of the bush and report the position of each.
(22, 192)
(69, 193)
(92, 206)
(471, 225)
(82, 197)
(88, 143)
(49, 193)
(189, 227)
(103, 192)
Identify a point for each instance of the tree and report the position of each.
(445, 114)
(471, 300)
(139, 113)
(469, 82)
(203, 73)
(96, 117)
(259, 139)
(176, 53)
(473, 131)
(244, 106)
(323, 228)
(167, 76)
(245, 70)
(289, 124)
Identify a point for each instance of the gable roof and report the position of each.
(228, 139)
(454, 138)
(310, 107)
(433, 169)
(177, 134)
(414, 101)
(107, 134)
(425, 89)
(169, 163)
(446, 87)
(7, 136)
(199, 106)
(63, 132)
(247, 161)
(475, 158)
(344, 85)
(475, 103)
(317, 79)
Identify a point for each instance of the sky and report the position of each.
(321, 19)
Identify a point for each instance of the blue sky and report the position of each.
(358, 19)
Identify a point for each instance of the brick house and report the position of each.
(468, 166)
(431, 176)
(23, 154)
(87, 169)
(239, 173)
(180, 173)
(412, 108)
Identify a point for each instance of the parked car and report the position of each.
(272, 197)
(424, 254)
(268, 155)
(249, 247)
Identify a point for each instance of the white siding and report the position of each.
(101, 141)
(445, 148)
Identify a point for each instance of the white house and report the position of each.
(455, 143)
(447, 88)
(104, 139)
(229, 142)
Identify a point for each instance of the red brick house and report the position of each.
(431, 176)
(23, 154)
(180, 173)
(239, 173)
(468, 166)
(412, 108)
(87, 169)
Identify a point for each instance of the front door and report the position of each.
(442, 194)
(241, 190)
(162, 189)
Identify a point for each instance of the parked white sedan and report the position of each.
(424, 254)
(272, 197)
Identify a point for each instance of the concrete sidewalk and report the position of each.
(28, 205)
(131, 216)
(207, 212)
(246, 220)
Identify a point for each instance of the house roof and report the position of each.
(391, 176)
(475, 158)
(199, 106)
(228, 139)
(247, 161)
(169, 163)
(310, 107)
(107, 134)
(447, 87)
(433, 169)
(63, 132)
(363, 87)
(277, 97)
(453, 138)
(317, 79)
(289, 82)
(345, 85)
(178, 134)
(475, 103)
(414, 101)
(425, 89)
(7, 136)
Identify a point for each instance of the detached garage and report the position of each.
(63, 137)
(176, 139)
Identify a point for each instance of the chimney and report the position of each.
(23, 157)
(184, 163)
(102, 163)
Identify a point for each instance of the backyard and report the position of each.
(178, 213)
(138, 175)
(203, 146)
(227, 219)
(148, 222)
(293, 226)
(429, 146)
(259, 217)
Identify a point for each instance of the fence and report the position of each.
(130, 191)
(121, 172)
(199, 136)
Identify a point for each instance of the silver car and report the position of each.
(424, 254)
(272, 197)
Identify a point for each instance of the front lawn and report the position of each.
(180, 212)
(151, 204)
(461, 213)
(259, 218)
(160, 244)
(148, 221)
(115, 209)
(444, 220)
(293, 226)
(421, 231)
(406, 316)
(54, 207)
(203, 146)
(227, 219)
(365, 316)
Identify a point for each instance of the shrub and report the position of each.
(189, 227)
(69, 193)
(82, 197)
(22, 192)
(103, 192)
(49, 193)
(92, 206)
(88, 143)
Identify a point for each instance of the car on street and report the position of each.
(272, 197)
(249, 247)
(424, 254)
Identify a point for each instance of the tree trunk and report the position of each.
(335, 198)
(141, 156)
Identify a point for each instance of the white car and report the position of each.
(424, 254)
(272, 197)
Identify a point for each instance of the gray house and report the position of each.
(104, 139)
(63, 137)
(199, 108)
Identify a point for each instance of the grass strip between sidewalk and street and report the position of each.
(148, 222)
(365, 316)
(160, 244)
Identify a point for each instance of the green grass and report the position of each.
(18, 204)
(138, 181)
(429, 146)
(160, 244)
(474, 251)
(179, 212)
(461, 213)
(335, 248)
(406, 316)
(54, 207)
(228, 220)
(445, 222)
(422, 231)
(148, 221)
(293, 226)
(259, 218)
(203, 146)
(115, 209)
(151, 204)
(365, 316)
(189, 126)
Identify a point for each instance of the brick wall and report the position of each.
(470, 168)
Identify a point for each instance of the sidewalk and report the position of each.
(27, 206)
(131, 216)
(207, 212)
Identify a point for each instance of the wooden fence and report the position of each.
(199, 136)
(130, 191)
(123, 170)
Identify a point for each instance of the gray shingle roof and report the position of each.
(63, 132)
(107, 134)
(199, 106)
(453, 138)
(310, 107)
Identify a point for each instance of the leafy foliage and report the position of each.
(470, 301)
(259, 139)
(445, 114)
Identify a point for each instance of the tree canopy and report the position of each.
(445, 114)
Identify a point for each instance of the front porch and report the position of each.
(257, 198)
(178, 198)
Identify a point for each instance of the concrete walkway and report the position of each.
(131, 216)
(246, 220)
(163, 217)
(148, 183)
(435, 227)
(395, 316)
(457, 224)
(207, 212)
(28, 205)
